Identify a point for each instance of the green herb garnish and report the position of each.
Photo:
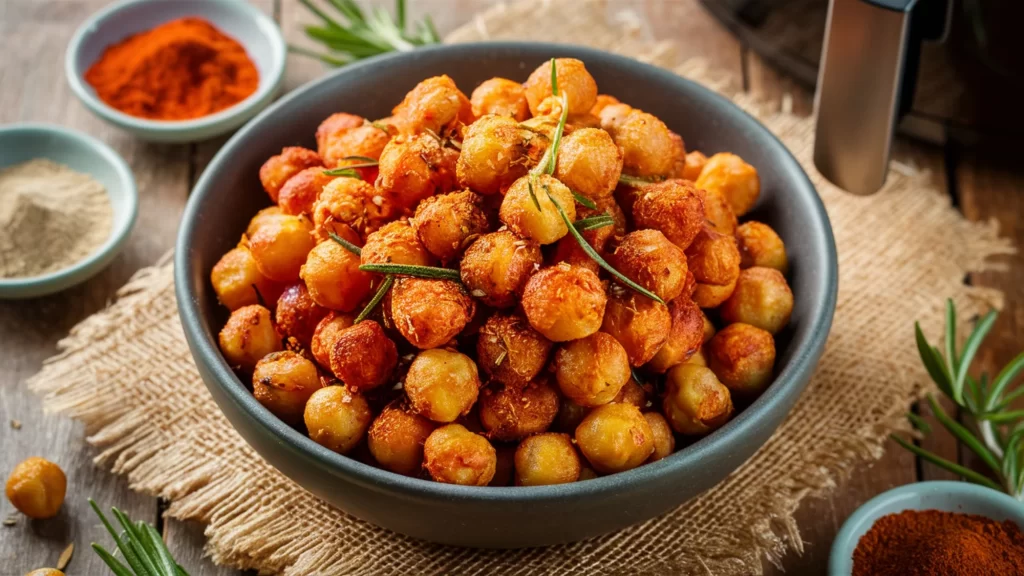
(347, 172)
(637, 180)
(583, 200)
(346, 244)
(413, 270)
(140, 545)
(594, 222)
(533, 195)
(366, 159)
(389, 280)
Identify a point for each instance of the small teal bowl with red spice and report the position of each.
(956, 497)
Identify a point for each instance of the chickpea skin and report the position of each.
(45, 572)
(602, 102)
(696, 403)
(664, 440)
(396, 243)
(742, 356)
(299, 193)
(674, 207)
(347, 207)
(640, 325)
(521, 215)
(591, 371)
(442, 384)
(734, 178)
(248, 336)
(434, 104)
(413, 168)
(36, 488)
(430, 313)
(718, 213)
(573, 78)
(647, 143)
(280, 247)
(501, 97)
(712, 295)
(761, 246)
(713, 258)
(684, 338)
(335, 124)
(297, 314)
(615, 438)
(564, 302)
(649, 259)
(283, 382)
(238, 281)
(693, 166)
(268, 214)
(363, 357)
(278, 169)
(546, 459)
(632, 393)
(337, 419)
(496, 267)
(447, 223)
(333, 277)
(454, 455)
(364, 140)
(510, 351)
(496, 152)
(396, 439)
(589, 162)
(326, 335)
(513, 413)
(762, 298)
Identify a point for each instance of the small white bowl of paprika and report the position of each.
(176, 70)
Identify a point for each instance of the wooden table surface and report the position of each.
(33, 36)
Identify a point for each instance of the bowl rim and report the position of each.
(787, 382)
(67, 277)
(264, 91)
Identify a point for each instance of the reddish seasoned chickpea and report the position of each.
(396, 243)
(283, 382)
(268, 214)
(647, 144)
(337, 418)
(278, 169)
(501, 97)
(521, 215)
(412, 168)
(573, 78)
(713, 258)
(591, 371)
(366, 140)
(513, 413)
(347, 206)
(564, 302)
(742, 356)
(640, 325)
(648, 258)
(510, 351)
(454, 455)
(615, 438)
(326, 335)
(695, 162)
(589, 162)
(334, 279)
(280, 247)
(238, 282)
(719, 214)
(334, 124)
(761, 246)
(434, 104)
(674, 207)
(712, 295)
(696, 403)
(664, 441)
(602, 102)
(632, 393)
(496, 152)
(297, 315)
(762, 298)
(430, 313)
(684, 338)
(734, 178)
(248, 336)
(299, 193)
(442, 384)
(36, 487)
(363, 357)
(396, 439)
(447, 223)
(496, 267)
(546, 459)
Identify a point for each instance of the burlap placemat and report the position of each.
(127, 373)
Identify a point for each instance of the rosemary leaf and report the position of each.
(163, 555)
(957, 469)
(594, 222)
(366, 159)
(389, 280)
(115, 566)
(951, 358)
(554, 77)
(413, 270)
(1001, 417)
(133, 540)
(1003, 379)
(529, 187)
(328, 59)
(933, 367)
(346, 244)
(970, 349)
(919, 423)
(348, 171)
(636, 181)
(964, 435)
(400, 14)
(126, 551)
(557, 139)
(583, 200)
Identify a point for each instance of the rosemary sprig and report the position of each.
(140, 545)
(594, 222)
(389, 281)
(583, 200)
(413, 270)
(547, 163)
(530, 180)
(636, 181)
(347, 172)
(346, 244)
(366, 159)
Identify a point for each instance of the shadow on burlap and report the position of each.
(127, 374)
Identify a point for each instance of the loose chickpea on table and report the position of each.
(533, 285)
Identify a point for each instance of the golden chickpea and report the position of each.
(238, 282)
(521, 215)
(696, 403)
(36, 488)
(364, 140)
(396, 439)
(299, 193)
(297, 315)
(278, 169)
(447, 223)
(762, 298)
(280, 247)
(712, 295)
(719, 215)
(283, 382)
(333, 125)
(268, 214)
(501, 97)
(648, 258)
(684, 338)
(602, 102)
(742, 356)
(678, 156)
(564, 302)
(713, 258)
(632, 393)
(454, 455)
(496, 152)
(412, 168)
(615, 438)
(337, 419)
(442, 384)
(613, 115)
(674, 207)
(761, 246)
(496, 267)
(396, 243)
(640, 324)
(546, 459)
(580, 121)
(248, 336)
(664, 440)
(591, 371)
(734, 178)
(334, 279)
(326, 335)
(589, 162)
(363, 357)
(45, 572)
(694, 164)
(647, 143)
(573, 78)
(434, 104)
(510, 351)
(430, 313)
(512, 413)
(349, 205)
(570, 414)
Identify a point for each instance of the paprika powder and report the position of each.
(932, 542)
(180, 70)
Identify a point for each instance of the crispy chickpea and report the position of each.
(297, 314)
(712, 295)
(299, 193)
(510, 351)
(674, 207)
(615, 438)
(570, 414)
(647, 143)
(568, 250)
(695, 162)
(396, 439)
(283, 382)
(648, 258)
(496, 152)
(564, 302)
(762, 298)
(520, 214)
(335, 124)
(334, 279)
(718, 213)
(45, 572)
(434, 104)
(678, 153)
(412, 168)
(36, 488)
(396, 243)
(366, 140)
(734, 178)
(496, 267)
(602, 102)
(248, 336)
(589, 162)
(742, 356)
(640, 324)
(278, 169)
(326, 335)
(430, 313)
(268, 214)
(573, 78)
(445, 224)
(591, 371)
(501, 97)
(546, 459)
(442, 385)
(238, 282)
(280, 247)
(664, 441)
(363, 357)
(696, 403)
(713, 258)
(632, 393)
(512, 413)
(454, 455)
(761, 246)
(337, 418)
(347, 207)
(684, 338)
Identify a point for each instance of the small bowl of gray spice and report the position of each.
(67, 204)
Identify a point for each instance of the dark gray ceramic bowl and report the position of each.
(229, 193)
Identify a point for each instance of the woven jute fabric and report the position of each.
(127, 373)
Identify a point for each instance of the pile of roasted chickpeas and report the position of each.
(416, 298)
